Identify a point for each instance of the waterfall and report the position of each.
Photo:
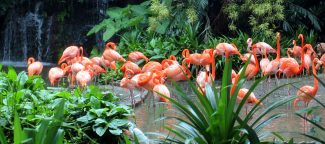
(38, 23)
(48, 36)
(25, 33)
(7, 41)
(23, 28)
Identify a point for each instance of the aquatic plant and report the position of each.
(215, 117)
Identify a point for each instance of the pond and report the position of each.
(289, 126)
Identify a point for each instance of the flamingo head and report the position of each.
(278, 35)
(185, 53)
(30, 60)
(111, 45)
(300, 36)
(249, 42)
(172, 57)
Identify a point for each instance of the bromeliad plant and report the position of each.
(216, 118)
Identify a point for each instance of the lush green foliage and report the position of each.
(260, 15)
(215, 117)
(89, 115)
(131, 16)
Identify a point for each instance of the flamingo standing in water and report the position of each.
(56, 73)
(84, 76)
(136, 56)
(174, 71)
(290, 66)
(306, 93)
(161, 89)
(251, 71)
(202, 79)
(322, 59)
(34, 68)
(204, 59)
(273, 66)
(296, 50)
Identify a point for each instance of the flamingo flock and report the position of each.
(153, 75)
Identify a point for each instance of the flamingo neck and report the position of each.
(288, 52)
(30, 60)
(315, 80)
(302, 60)
(257, 68)
(302, 40)
(278, 48)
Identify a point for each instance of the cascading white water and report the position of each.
(23, 28)
(48, 36)
(7, 41)
(24, 34)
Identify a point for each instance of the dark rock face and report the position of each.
(43, 29)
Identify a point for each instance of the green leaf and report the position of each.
(114, 124)
(109, 32)
(19, 135)
(116, 131)
(135, 21)
(12, 73)
(115, 12)
(162, 27)
(100, 130)
(157, 57)
(2, 137)
(22, 78)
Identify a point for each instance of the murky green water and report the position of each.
(288, 126)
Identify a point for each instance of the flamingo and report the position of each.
(322, 59)
(107, 64)
(227, 49)
(296, 50)
(202, 79)
(204, 59)
(261, 47)
(56, 73)
(174, 71)
(152, 65)
(83, 77)
(130, 84)
(264, 62)
(161, 89)
(131, 66)
(251, 71)
(273, 66)
(96, 60)
(75, 68)
(110, 54)
(70, 53)
(290, 66)
(136, 56)
(306, 93)
(34, 68)
(251, 98)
